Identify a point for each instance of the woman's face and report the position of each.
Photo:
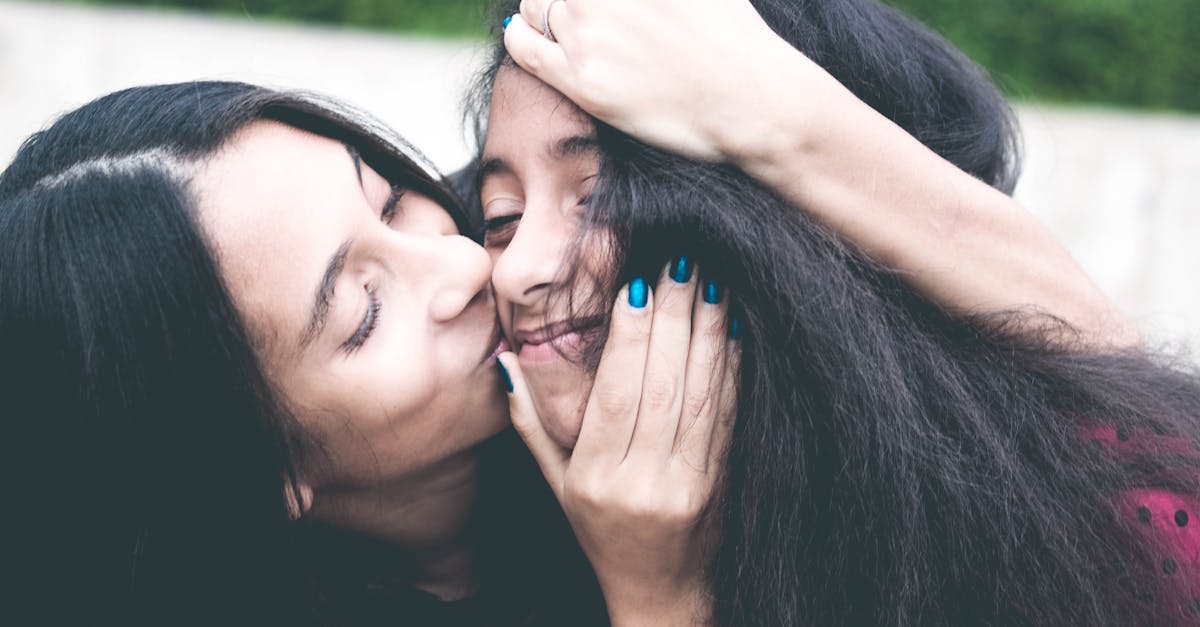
(371, 314)
(539, 165)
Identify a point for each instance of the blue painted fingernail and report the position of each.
(681, 270)
(508, 386)
(735, 330)
(638, 294)
(712, 293)
(506, 21)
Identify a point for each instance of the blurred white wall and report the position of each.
(1119, 188)
(1122, 190)
(54, 58)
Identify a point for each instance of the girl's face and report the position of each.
(539, 165)
(371, 314)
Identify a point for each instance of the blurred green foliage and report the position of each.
(1132, 52)
(1129, 52)
(458, 18)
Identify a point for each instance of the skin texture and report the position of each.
(394, 419)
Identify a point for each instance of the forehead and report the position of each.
(275, 204)
(527, 114)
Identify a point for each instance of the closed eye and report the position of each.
(498, 232)
(369, 322)
(393, 201)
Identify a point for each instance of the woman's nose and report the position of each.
(529, 264)
(455, 270)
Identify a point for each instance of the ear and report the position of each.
(299, 498)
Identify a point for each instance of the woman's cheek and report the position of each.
(561, 400)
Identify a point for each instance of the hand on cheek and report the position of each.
(638, 485)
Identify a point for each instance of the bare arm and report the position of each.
(957, 240)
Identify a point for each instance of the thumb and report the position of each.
(551, 457)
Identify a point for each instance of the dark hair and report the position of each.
(893, 462)
(152, 451)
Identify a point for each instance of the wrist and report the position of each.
(654, 606)
(778, 109)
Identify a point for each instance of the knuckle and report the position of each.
(592, 491)
(614, 402)
(673, 510)
(697, 404)
(659, 392)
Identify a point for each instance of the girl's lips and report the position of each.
(553, 341)
(552, 349)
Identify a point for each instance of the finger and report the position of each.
(535, 54)
(551, 457)
(666, 364)
(707, 376)
(612, 407)
(534, 13)
(727, 407)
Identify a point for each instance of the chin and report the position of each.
(564, 433)
(561, 416)
(560, 391)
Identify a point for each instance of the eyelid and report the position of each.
(369, 322)
(393, 200)
(502, 205)
(491, 224)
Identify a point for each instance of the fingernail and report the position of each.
(506, 21)
(735, 330)
(508, 386)
(638, 296)
(712, 293)
(681, 270)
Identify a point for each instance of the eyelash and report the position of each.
(370, 321)
(498, 231)
(501, 228)
(389, 207)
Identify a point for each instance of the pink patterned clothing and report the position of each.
(1171, 523)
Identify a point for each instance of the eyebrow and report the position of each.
(567, 147)
(324, 297)
(573, 146)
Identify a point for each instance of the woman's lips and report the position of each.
(555, 341)
(551, 348)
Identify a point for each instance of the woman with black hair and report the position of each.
(894, 460)
(225, 308)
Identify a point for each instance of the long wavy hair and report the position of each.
(894, 462)
(147, 451)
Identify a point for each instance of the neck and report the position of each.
(424, 515)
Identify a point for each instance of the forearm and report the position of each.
(961, 242)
